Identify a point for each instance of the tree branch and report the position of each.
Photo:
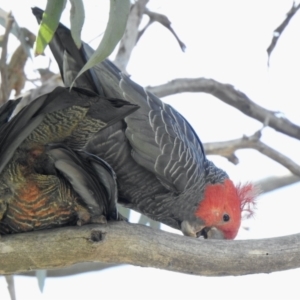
(227, 149)
(15, 70)
(279, 30)
(228, 94)
(120, 242)
(130, 36)
(132, 33)
(164, 21)
(276, 182)
(74, 269)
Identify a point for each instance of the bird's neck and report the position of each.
(213, 174)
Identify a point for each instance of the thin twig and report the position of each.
(279, 30)
(227, 149)
(163, 20)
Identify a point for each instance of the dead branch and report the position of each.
(130, 36)
(279, 30)
(164, 21)
(276, 182)
(230, 95)
(15, 71)
(227, 149)
(139, 245)
(3, 66)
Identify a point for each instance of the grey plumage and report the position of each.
(158, 158)
(47, 179)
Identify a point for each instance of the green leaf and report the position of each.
(49, 24)
(118, 15)
(77, 19)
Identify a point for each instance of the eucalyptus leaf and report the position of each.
(49, 24)
(118, 15)
(77, 19)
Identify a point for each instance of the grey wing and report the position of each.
(7, 109)
(107, 178)
(91, 177)
(18, 128)
(162, 140)
(15, 131)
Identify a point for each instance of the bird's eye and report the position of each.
(226, 218)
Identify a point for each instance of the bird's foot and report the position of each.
(98, 220)
(87, 219)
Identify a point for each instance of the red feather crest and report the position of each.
(248, 194)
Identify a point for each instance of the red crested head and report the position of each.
(223, 205)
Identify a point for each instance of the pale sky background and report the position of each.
(226, 41)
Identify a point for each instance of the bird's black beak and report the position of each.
(212, 233)
(201, 231)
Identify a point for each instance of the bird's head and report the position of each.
(220, 211)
